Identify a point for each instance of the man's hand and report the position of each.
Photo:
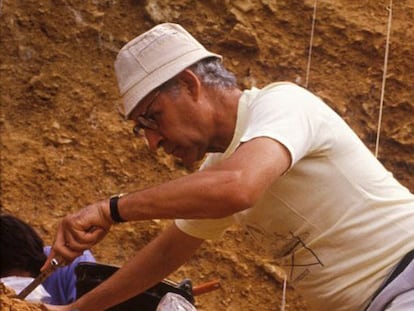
(46, 307)
(80, 231)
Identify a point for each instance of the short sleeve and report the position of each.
(289, 114)
(206, 229)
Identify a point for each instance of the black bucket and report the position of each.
(90, 274)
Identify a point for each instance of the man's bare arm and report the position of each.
(221, 190)
(224, 189)
(149, 266)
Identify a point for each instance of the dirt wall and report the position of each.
(64, 143)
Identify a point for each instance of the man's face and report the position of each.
(173, 120)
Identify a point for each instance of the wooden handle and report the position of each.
(206, 287)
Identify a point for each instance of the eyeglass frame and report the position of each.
(145, 122)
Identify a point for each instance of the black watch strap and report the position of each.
(113, 208)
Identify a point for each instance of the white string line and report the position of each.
(283, 304)
(282, 307)
(384, 77)
(311, 44)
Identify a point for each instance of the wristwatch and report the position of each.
(113, 208)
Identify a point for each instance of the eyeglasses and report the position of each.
(144, 121)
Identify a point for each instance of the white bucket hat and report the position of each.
(153, 58)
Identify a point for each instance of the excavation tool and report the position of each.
(54, 264)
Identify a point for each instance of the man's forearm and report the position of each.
(148, 267)
(200, 195)
(219, 191)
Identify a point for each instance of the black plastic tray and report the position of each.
(89, 275)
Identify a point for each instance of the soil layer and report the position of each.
(64, 143)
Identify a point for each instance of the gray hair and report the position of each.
(211, 72)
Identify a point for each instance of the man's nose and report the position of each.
(153, 138)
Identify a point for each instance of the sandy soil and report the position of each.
(8, 303)
(64, 143)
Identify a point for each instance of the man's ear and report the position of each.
(190, 82)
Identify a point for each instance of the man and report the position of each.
(281, 163)
(23, 254)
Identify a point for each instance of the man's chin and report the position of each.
(188, 163)
(190, 160)
(192, 163)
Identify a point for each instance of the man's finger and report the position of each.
(61, 252)
(48, 261)
(83, 240)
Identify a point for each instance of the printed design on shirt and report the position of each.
(300, 244)
(284, 247)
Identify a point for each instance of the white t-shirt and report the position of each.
(337, 220)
